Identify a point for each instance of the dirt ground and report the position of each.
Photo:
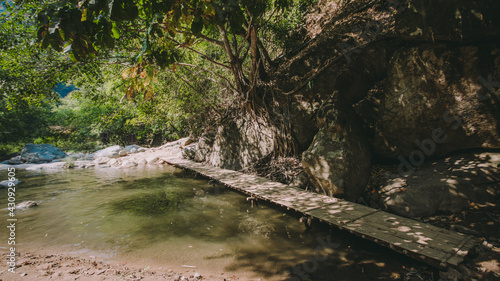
(35, 266)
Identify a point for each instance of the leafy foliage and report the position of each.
(83, 28)
(26, 73)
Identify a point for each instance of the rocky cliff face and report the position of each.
(437, 100)
(423, 78)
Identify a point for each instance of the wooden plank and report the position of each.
(341, 212)
(433, 245)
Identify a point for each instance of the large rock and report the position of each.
(111, 152)
(448, 20)
(338, 160)
(443, 185)
(132, 148)
(439, 100)
(40, 153)
(242, 142)
(205, 145)
(189, 151)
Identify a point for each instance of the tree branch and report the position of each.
(208, 71)
(211, 40)
(199, 53)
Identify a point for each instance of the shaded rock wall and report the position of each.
(422, 76)
(448, 20)
(436, 100)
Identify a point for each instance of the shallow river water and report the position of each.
(160, 216)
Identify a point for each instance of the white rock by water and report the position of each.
(108, 152)
(5, 183)
(152, 160)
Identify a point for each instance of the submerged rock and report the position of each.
(26, 204)
(5, 183)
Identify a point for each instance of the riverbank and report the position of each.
(46, 266)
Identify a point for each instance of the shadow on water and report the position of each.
(156, 203)
(328, 254)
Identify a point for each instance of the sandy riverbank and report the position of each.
(46, 266)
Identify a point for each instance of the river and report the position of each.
(163, 217)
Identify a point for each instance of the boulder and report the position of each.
(110, 152)
(101, 160)
(75, 156)
(40, 153)
(439, 100)
(142, 161)
(448, 20)
(128, 164)
(152, 160)
(189, 151)
(301, 181)
(132, 148)
(122, 153)
(205, 145)
(141, 149)
(241, 142)
(339, 158)
(446, 185)
(13, 161)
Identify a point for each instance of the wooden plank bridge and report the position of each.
(433, 245)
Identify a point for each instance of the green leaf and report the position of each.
(115, 31)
